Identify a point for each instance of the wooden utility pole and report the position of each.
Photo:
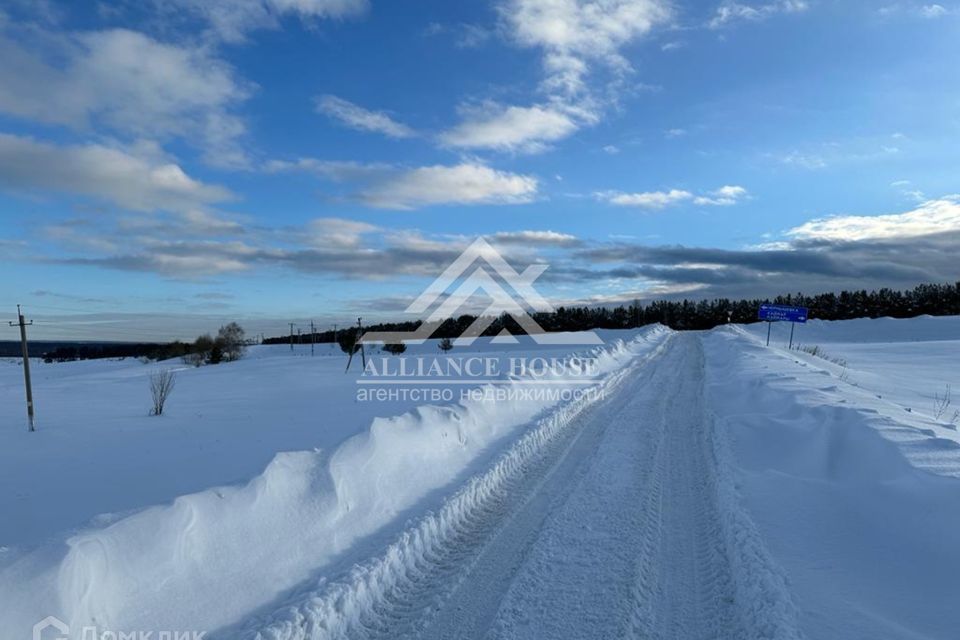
(26, 362)
(312, 334)
(291, 335)
(363, 352)
(353, 348)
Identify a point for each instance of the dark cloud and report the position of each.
(822, 260)
(808, 264)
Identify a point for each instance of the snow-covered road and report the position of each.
(716, 488)
(620, 526)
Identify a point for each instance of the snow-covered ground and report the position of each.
(718, 488)
(97, 451)
(849, 476)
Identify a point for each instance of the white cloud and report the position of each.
(467, 36)
(357, 117)
(933, 216)
(722, 197)
(127, 82)
(834, 153)
(731, 11)
(524, 129)
(648, 199)
(535, 238)
(336, 170)
(466, 183)
(612, 149)
(127, 178)
(204, 223)
(388, 186)
(930, 11)
(338, 233)
(675, 133)
(231, 20)
(574, 36)
(574, 33)
(805, 160)
(933, 11)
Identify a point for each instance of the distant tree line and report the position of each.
(90, 351)
(228, 345)
(685, 315)
(926, 299)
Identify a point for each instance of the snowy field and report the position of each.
(718, 488)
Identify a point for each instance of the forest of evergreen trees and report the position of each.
(927, 299)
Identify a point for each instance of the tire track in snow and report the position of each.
(695, 597)
(617, 520)
(387, 595)
(636, 549)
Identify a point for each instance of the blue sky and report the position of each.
(166, 165)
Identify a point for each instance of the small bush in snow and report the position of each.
(941, 403)
(395, 349)
(161, 386)
(194, 359)
(347, 339)
(818, 352)
(200, 351)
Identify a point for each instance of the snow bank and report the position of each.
(850, 494)
(863, 330)
(222, 426)
(898, 384)
(190, 564)
(760, 586)
(338, 610)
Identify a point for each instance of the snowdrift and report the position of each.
(190, 565)
(855, 498)
(863, 330)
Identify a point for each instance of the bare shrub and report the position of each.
(941, 403)
(818, 352)
(161, 386)
(194, 359)
(844, 374)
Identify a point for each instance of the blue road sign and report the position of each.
(779, 312)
